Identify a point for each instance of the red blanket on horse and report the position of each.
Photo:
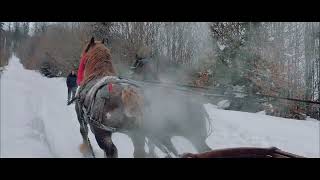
(81, 68)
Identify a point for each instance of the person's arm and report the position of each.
(76, 81)
(68, 81)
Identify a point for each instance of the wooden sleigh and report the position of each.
(244, 152)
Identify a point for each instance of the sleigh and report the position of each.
(244, 152)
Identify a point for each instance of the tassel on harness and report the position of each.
(110, 87)
(95, 123)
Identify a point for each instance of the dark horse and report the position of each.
(108, 104)
(181, 116)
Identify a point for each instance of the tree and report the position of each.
(40, 27)
(1, 33)
(17, 34)
(318, 61)
(25, 29)
(273, 58)
(102, 30)
(9, 26)
(1, 27)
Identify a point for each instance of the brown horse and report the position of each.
(108, 104)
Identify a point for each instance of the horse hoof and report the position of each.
(139, 155)
(84, 149)
(151, 155)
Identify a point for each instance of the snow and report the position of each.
(238, 91)
(223, 104)
(289, 55)
(262, 112)
(36, 122)
(221, 46)
(234, 129)
(311, 119)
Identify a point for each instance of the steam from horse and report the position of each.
(172, 112)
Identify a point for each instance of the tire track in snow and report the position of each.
(37, 124)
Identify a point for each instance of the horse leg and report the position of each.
(164, 144)
(138, 140)
(84, 147)
(83, 125)
(167, 143)
(104, 141)
(151, 147)
(200, 144)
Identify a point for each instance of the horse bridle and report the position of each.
(138, 63)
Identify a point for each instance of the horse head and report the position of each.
(92, 43)
(138, 65)
(144, 69)
(98, 60)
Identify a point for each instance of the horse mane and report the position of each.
(99, 63)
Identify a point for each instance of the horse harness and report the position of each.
(89, 98)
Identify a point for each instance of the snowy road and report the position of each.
(35, 122)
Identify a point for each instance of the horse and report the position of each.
(108, 104)
(184, 117)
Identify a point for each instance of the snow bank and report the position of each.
(234, 129)
(223, 104)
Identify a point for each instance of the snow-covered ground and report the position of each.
(36, 122)
(234, 128)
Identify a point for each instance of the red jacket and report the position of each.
(81, 69)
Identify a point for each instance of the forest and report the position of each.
(256, 66)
